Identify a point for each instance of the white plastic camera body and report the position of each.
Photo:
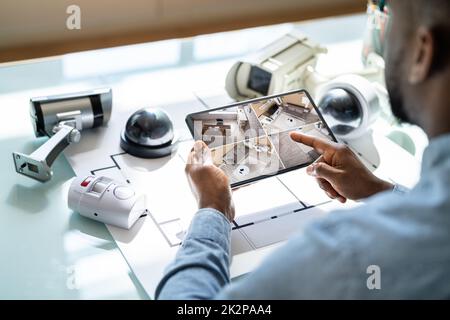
(278, 67)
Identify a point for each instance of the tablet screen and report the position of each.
(250, 140)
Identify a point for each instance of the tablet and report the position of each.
(250, 140)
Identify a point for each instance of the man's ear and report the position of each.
(422, 55)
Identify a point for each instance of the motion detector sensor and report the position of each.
(105, 200)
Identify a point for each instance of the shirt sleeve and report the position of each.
(399, 189)
(201, 266)
(310, 265)
(328, 259)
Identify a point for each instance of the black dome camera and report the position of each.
(149, 133)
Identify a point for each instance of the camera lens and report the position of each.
(341, 110)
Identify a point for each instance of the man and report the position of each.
(406, 234)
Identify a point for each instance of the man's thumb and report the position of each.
(322, 170)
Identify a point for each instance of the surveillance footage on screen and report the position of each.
(252, 139)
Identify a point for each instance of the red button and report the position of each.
(86, 181)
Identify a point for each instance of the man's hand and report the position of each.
(339, 172)
(209, 184)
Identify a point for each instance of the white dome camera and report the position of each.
(349, 105)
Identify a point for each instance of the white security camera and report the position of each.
(349, 105)
(61, 118)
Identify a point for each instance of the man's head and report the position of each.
(417, 60)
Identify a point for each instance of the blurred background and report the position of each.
(30, 29)
(119, 38)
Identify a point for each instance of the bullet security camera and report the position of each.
(61, 118)
(278, 67)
